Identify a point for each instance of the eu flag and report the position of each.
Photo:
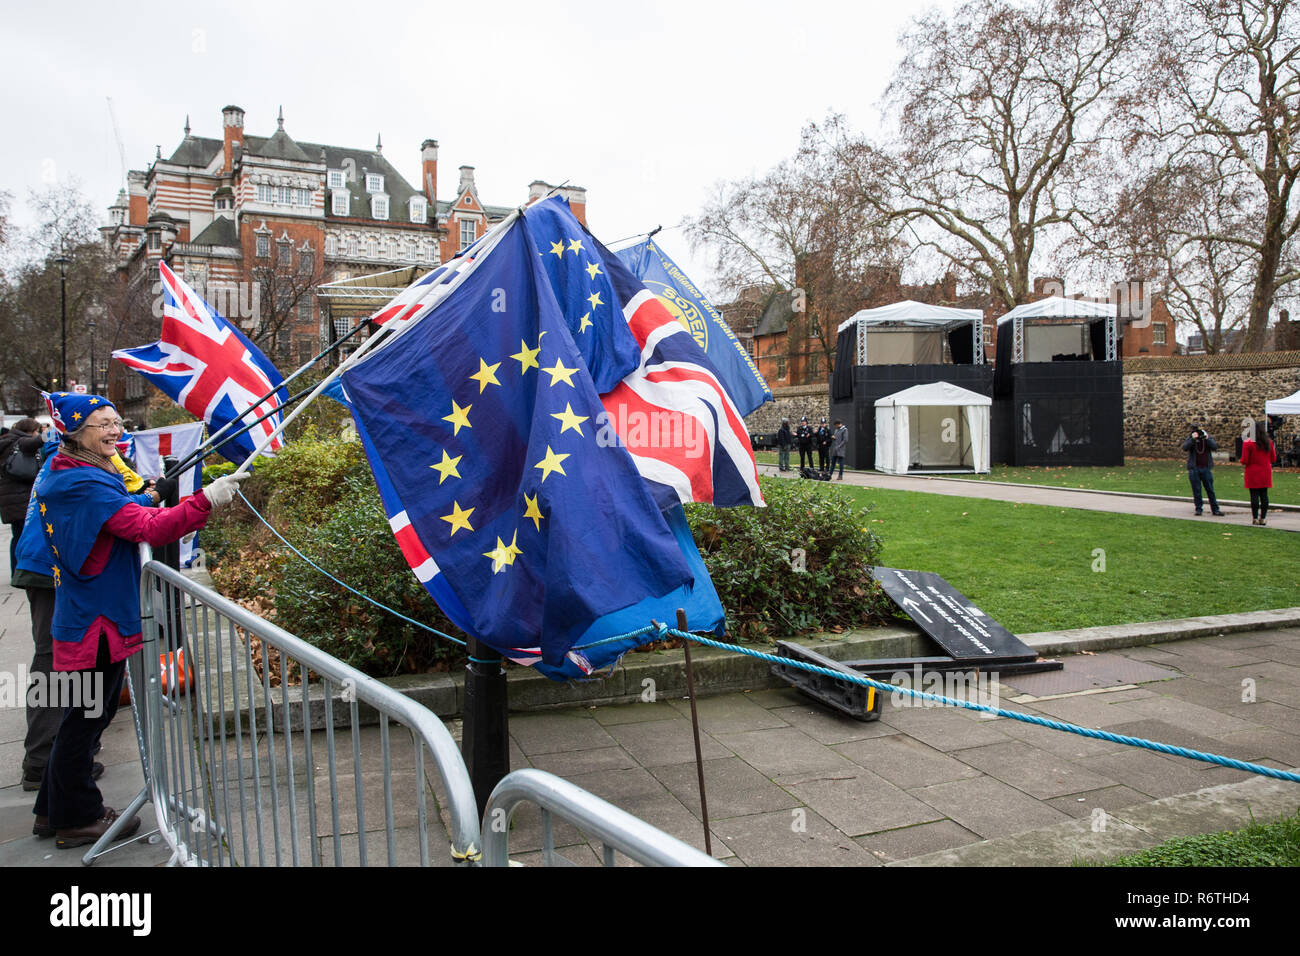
(532, 533)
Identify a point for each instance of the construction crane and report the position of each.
(121, 150)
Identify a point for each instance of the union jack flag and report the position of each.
(205, 365)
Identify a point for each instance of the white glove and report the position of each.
(221, 491)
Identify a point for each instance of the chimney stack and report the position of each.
(232, 122)
(429, 173)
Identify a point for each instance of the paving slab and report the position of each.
(987, 806)
(552, 733)
(1157, 775)
(829, 727)
(798, 837)
(660, 742)
(904, 843)
(1107, 798)
(1039, 773)
(905, 761)
(732, 713)
(859, 803)
(1178, 736)
(944, 729)
(733, 788)
(784, 750)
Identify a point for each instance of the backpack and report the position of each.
(20, 467)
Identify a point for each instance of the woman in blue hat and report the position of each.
(93, 524)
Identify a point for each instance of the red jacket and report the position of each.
(1257, 464)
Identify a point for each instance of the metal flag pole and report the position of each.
(485, 727)
(457, 277)
(208, 448)
(695, 726)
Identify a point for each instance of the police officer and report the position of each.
(804, 437)
(823, 446)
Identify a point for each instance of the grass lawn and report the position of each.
(1147, 476)
(1260, 844)
(1150, 476)
(1032, 567)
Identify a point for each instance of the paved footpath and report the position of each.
(790, 784)
(1056, 497)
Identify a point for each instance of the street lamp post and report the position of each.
(63, 261)
(93, 390)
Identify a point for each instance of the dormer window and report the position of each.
(339, 202)
(379, 207)
(419, 209)
(334, 179)
(374, 183)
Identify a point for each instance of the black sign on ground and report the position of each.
(952, 619)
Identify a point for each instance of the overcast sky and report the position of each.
(647, 105)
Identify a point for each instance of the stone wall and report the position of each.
(793, 403)
(1163, 396)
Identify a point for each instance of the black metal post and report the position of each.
(486, 728)
(93, 389)
(170, 554)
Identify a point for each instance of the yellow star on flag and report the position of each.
(55, 550)
(593, 270)
(527, 357)
(447, 467)
(569, 420)
(585, 323)
(459, 418)
(595, 299)
(551, 463)
(532, 511)
(503, 555)
(486, 375)
(42, 507)
(558, 248)
(49, 529)
(575, 245)
(459, 518)
(558, 371)
(57, 579)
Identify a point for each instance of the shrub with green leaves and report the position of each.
(801, 564)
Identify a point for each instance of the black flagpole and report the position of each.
(208, 448)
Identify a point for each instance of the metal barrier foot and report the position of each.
(110, 835)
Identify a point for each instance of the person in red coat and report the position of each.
(1257, 456)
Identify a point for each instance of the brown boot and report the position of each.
(91, 832)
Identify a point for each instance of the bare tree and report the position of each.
(801, 228)
(284, 289)
(1225, 96)
(1000, 115)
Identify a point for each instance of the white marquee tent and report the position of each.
(1057, 326)
(934, 427)
(910, 333)
(1283, 406)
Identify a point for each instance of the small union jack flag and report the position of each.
(208, 368)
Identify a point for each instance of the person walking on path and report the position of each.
(1200, 467)
(19, 463)
(804, 436)
(783, 442)
(839, 446)
(91, 524)
(1257, 456)
(823, 446)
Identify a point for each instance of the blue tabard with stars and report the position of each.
(73, 504)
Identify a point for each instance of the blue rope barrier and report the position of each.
(366, 597)
(663, 631)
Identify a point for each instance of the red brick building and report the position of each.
(258, 224)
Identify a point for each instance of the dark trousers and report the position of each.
(68, 793)
(1199, 477)
(15, 530)
(838, 460)
(1258, 502)
(783, 457)
(823, 457)
(43, 717)
(805, 453)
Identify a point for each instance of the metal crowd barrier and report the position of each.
(262, 759)
(255, 754)
(556, 797)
